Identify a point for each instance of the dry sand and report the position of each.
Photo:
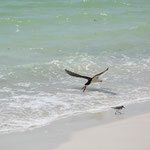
(94, 131)
(128, 134)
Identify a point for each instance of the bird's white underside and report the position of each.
(96, 79)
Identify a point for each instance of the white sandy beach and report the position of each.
(102, 130)
(128, 134)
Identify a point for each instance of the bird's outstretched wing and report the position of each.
(77, 75)
(100, 73)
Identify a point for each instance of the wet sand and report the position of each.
(128, 134)
(128, 130)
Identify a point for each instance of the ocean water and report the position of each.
(39, 39)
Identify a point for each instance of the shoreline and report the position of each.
(131, 133)
(59, 132)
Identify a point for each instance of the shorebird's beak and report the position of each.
(84, 88)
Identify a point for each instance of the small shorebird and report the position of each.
(118, 108)
(90, 80)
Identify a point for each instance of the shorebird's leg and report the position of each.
(84, 88)
(117, 112)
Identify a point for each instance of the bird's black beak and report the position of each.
(84, 88)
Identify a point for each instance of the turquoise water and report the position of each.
(39, 39)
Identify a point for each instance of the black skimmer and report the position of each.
(117, 108)
(90, 80)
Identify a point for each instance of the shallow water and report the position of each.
(39, 39)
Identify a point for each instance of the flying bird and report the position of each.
(90, 80)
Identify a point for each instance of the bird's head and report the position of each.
(84, 88)
(123, 107)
